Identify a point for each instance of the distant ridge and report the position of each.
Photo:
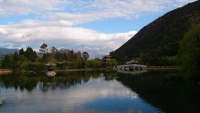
(162, 36)
(4, 51)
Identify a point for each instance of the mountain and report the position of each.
(4, 51)
(93, 52)
(161, 37)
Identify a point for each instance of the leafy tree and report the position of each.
(26, 64)
(43, 49)
(85, 55)
(46, 57)
(95, 63)
(114, 62)
(189, 52)
(9, 62)
(111, 62)
(165, 61)
(53, 51)
(40, 66)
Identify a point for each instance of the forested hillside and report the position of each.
(162, 36)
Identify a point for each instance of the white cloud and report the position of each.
(59, 17)
(16, 7)
(2, 31)
(35, 33)
(82, 10)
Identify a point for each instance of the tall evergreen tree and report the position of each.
(21, 52)
(16, 57)
(30, 54)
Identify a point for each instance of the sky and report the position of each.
(71, 23)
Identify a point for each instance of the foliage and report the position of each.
(111, 63)
(30, 54)
(64, 58)
(85, 55)
(21, 51)
(165, 61)
(189, 52)
(43, 49)
(26, 64)
(39, 66)
(9, 62)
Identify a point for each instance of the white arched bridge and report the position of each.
(131, 67)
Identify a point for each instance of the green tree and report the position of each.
(21, 51)
(95, 63)
(30, 54)
(189, 53)
(26, 64)
(114, 62)
(165, 60)
(16, 57)
(9, 62)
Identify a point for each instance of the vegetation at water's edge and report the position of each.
(64, 58)
(189, 52)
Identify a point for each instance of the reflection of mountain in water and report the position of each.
(62, 80)
(172, 94)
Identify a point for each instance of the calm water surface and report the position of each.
(98, 92)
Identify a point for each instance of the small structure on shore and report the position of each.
(50, 73)
(105, 59)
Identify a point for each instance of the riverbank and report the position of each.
(7, 71)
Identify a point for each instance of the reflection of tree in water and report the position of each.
(110, 75)
(62, 80)
(171, 94)
(19, 80)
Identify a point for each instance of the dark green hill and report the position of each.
(162, 36)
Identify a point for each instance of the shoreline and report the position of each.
(7, 71)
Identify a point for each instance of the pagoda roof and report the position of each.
(50, 64)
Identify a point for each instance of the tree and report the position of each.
(189, 53)
(16, 57)
(53, 51)
(9, 62)
(85, 55)
(95, 63)
(21, 51)
(30, 54)
(165, 60)
(43, 49)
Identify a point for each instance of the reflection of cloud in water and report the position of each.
(94, 89)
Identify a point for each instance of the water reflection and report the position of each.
(166, 90)
(69, 92)
(62, 80)
(152, 91)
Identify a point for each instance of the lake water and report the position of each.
(99, 92)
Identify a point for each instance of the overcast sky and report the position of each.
(70, 23)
